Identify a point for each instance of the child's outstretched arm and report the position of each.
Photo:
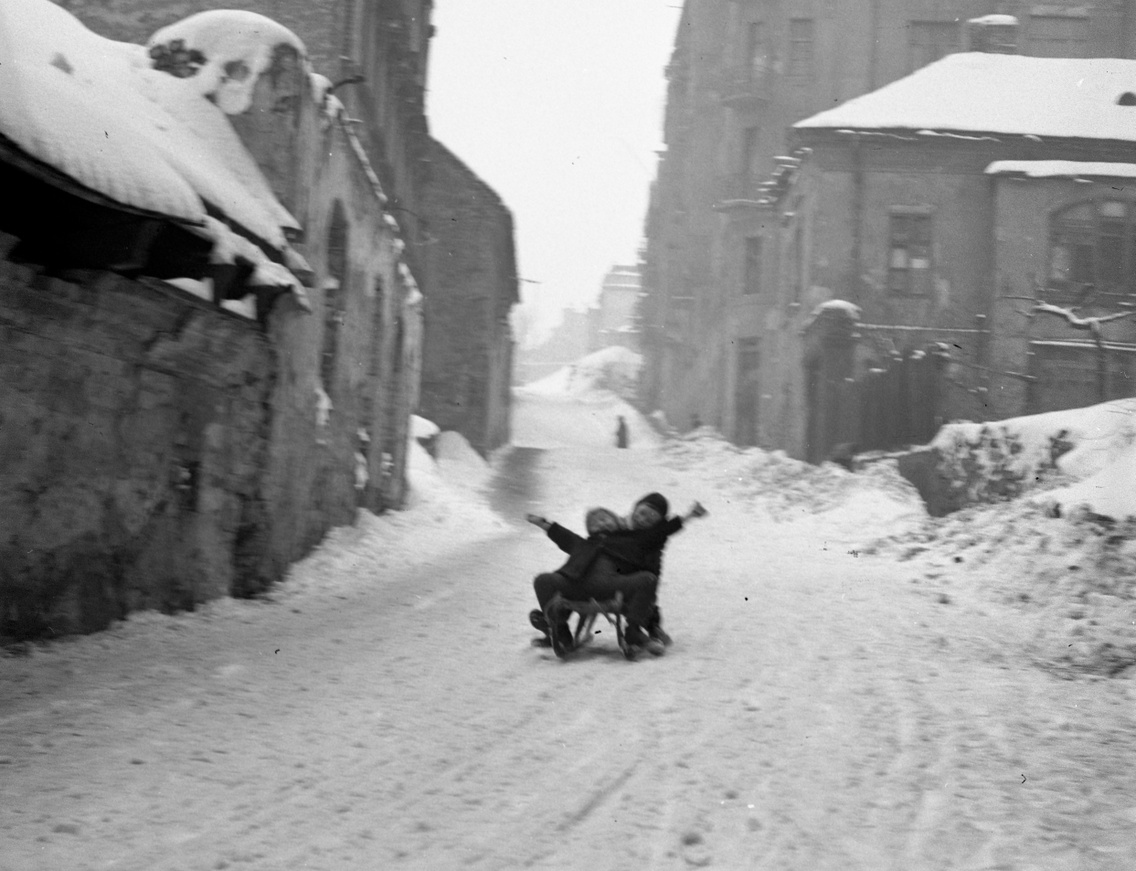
(565, 539)
(538, 521)
(696, 510)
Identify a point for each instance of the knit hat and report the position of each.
(657, 501)
(594, 515)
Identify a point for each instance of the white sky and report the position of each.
(558, 105)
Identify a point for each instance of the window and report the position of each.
(1057, 36)
(751, 265)
(747, 391)
(801, 49)
(909, 254)
(1092, 246)
(927, 41)
(756, 59)
(335, 295)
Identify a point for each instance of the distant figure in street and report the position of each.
(621, 433)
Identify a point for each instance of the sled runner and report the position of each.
(588, 611)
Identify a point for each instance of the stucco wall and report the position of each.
(471, 270)
(158, 451)
(133, 435)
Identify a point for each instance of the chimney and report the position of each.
(994, 34)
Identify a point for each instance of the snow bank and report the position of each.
(446, 509)
(1025, 454)
(836, 503)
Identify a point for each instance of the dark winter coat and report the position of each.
(582, 552)
(635, 550)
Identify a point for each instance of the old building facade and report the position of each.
(977, 211)
(376, 55)
(470, 268)
(194, 400)
(741, 74)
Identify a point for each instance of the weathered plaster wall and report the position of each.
(132, 436)
(471, 273)
(158, 451)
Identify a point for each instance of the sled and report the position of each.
(588, 611)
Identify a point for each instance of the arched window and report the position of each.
(1092, 246)
(335, 295)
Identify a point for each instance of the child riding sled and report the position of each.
(615, 558)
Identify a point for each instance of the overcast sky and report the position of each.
(558, 105)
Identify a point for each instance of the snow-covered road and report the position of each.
(821, 708)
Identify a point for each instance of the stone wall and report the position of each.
(133, 434)
(159, 451)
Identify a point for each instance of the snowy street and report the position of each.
(825, 705)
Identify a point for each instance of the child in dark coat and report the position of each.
(583, 554)
(612, 559)
(639, 547)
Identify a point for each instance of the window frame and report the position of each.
(1086, 258)
(923, 241)
(800, 60)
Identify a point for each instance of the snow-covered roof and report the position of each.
(977, 92)
(995, 20)
(1062, 169)
(97, 111)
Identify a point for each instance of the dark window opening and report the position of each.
(1092, 246)
(756, 52)
(335, 296)
(747, 391)
(802, 51)
(909, 255)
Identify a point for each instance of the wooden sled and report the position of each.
(588, 610)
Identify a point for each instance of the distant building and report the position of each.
(471, 269)
(939, 249)
(570, 341)
(376, 55)
(740, 76)
(618, 309)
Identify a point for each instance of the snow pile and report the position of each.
(609, 370)
(460, 464)
(1007, 458)
(97, 111)
(445, 510)
(839, 502)
(224, 52)
(1064, 553)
